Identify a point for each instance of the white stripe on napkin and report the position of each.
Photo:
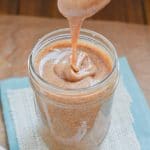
(121, 135)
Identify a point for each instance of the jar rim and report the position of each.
(60, 90)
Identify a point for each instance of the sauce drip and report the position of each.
(76, 11)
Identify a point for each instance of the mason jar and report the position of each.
(74, 119)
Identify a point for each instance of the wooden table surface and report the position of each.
(135, 11)
(19, 34)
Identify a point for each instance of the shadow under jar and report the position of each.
(74, 119)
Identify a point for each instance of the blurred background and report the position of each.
(131, 11)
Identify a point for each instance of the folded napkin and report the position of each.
(1, 148)
(130, 124)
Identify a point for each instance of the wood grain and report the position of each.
(125, 10)
(46, 8)
(18, 39)
(133, 11)
(147, 10)
(9, 6)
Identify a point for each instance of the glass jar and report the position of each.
(74, 119)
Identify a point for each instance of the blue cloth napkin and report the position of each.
(139, 107)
